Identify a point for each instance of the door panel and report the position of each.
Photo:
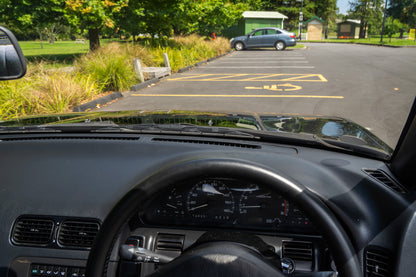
(255, 39)
(269, 38)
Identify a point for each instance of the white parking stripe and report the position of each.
(282, 66)
(227, 62)
(269, 58)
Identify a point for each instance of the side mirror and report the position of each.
(12, 61)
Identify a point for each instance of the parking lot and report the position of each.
(373, 86)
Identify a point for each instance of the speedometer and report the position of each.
(210, 200)
(259, 207)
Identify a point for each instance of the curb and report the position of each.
(98, 102)
(144, 84)
(361, 43)
(116, 95)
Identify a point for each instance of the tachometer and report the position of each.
(173, 205)
(210, 200)
(258, 207)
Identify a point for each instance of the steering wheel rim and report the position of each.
(345, 257)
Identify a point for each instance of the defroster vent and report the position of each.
(74, 233)
(32, 231)
(378, 262)
(382, 177)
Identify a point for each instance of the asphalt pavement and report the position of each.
(372, 86)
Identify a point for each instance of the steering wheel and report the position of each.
(338, 241)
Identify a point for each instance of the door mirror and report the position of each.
(12, 61)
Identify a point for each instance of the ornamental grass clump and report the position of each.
(110, 67)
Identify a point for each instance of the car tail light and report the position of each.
(293, 36)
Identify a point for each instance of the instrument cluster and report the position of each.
(230, 203)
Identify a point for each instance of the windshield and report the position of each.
(339, 71)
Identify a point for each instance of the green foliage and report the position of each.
(44, 92)
(393, 26)
(205, 17)
(370, 14)
(110, 68)
(404, 10)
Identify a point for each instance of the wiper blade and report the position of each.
(111, 127)
(27, 129)
(59, 128)
(184, 129)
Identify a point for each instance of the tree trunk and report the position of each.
(41, 41)
(326, 31)
(94, 37)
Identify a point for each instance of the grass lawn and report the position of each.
(61, 53)
(373, 40)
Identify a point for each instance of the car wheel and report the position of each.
(280, 46)
(239, 46)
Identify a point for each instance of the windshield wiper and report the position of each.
(111, 127)
(182, 129)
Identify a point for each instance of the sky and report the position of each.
(343, 6)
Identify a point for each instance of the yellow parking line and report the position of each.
(261, 77)
(192, 76)
(228, 76)
(256, 78)
(298, 78)
(241, 95)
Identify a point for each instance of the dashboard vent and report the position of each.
(297, 250)
(382, 177)
(209, 142)
(32, 231)
(74, 233)
(378, 262)
(169, 242)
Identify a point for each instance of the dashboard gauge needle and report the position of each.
(198, 207)
(171, 206)
(267, 195)
(250, 207)
(210, 189)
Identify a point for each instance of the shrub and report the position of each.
(110, 67)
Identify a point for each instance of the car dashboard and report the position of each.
(58, 189)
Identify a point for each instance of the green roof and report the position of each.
(256, 14)
(314, 18)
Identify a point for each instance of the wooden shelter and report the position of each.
(314, 28)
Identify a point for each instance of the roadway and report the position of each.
(372, 86)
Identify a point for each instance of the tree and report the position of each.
(130, 19)
(93, 15)
(404, 10)
(370, 14)
(205, 17)
(327, 11)
(27, 16)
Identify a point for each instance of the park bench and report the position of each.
(152, 72)
(80, 40)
